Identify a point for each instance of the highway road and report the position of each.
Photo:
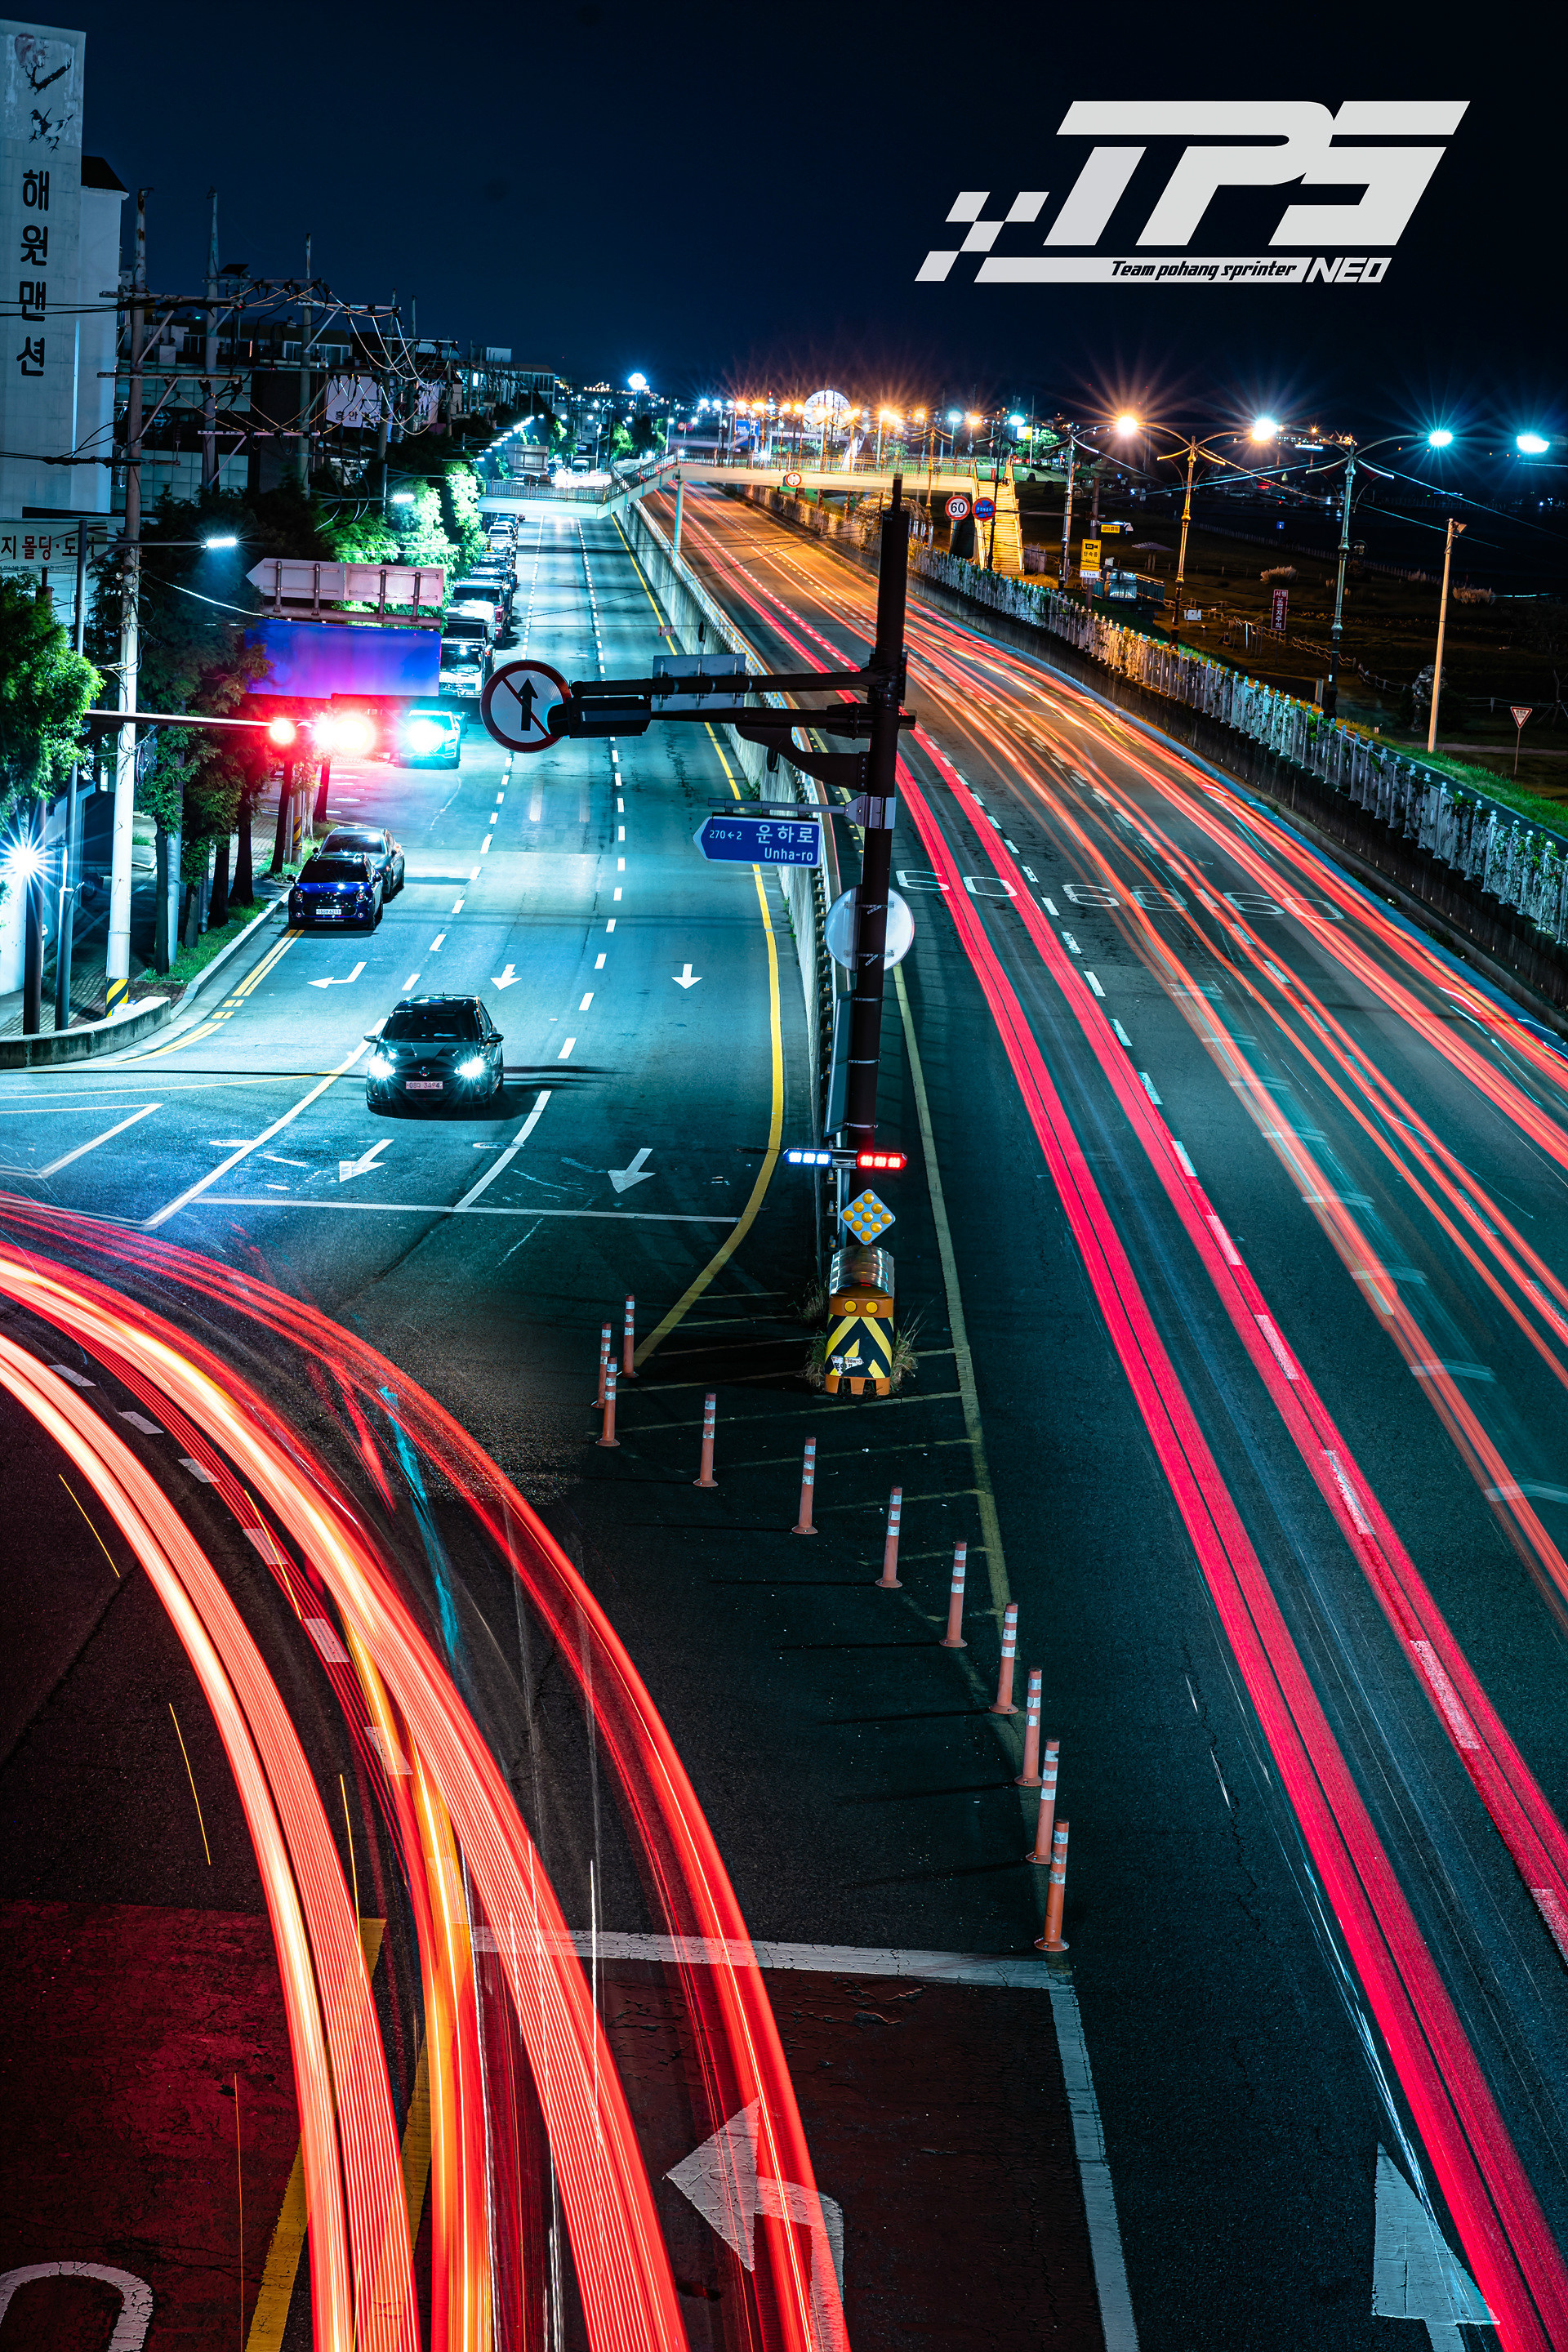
(1229, 1252)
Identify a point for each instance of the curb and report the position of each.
(98, 1040)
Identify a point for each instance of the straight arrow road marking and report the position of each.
(633, 1172)
(365, 1166)
(504, 979)
(685, 977)
(339, 983)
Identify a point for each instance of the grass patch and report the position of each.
(1550, 813)
(212, 943)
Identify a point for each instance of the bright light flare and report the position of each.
(1531, 444)
(1439, 438)
(346, 732)
(229, 541)
(282, 732)
(1127, 422)
(24, 863)
(1265, 428)
(424, 737)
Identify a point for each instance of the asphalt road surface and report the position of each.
(1230, 1254)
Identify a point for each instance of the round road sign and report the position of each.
(839, 930)
(793, 481)
(517, 703)
(958, 509)
(984, 510)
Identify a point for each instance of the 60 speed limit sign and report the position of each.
(517, 703)
(958, 509)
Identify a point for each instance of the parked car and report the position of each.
(429, 739)
(372, 842)
(434, 1050)
(483, 597)
(336, 890)
(465, 657)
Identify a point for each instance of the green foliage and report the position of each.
(421, 530)
(44, 689)
(460, 501)
(363, 538)
(643, 437)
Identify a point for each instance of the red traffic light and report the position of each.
(891, 1163)
(281, 731)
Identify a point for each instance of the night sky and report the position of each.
(740, 199)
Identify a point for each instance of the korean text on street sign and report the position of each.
(958, 507)
(742, 840)
(1280, 610)
(37, 546)
(867, 1216)
(1088, 555)
(984, 510)
(517, 702)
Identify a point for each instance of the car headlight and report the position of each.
(474, 1068)
(380, 1066)
(425, 738)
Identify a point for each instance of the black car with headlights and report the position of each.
(433, 1050)
(372, 841)
(338, 890)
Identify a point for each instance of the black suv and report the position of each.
(433, 1050)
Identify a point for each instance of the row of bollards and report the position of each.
(1050, 1851)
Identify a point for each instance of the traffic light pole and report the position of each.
(886, 667)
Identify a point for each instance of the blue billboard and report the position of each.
(317, 659)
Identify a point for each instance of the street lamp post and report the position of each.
(1454, 531)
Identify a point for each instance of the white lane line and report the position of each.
(1123, 1035)
(510, 1154)
(494, 819)
(588, 999)
(193, 1191)
(598, 963)
(945, 1967)
(484, 852)
(443, 1209)
(108, 1133)
(409, 981)
(1149, 1086)
(437, 942)
(1094, 984)
(566, 1049)
(457, 904)
(611, 924)
(617, 894)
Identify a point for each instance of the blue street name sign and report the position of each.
(760, 841)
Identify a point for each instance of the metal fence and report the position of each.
(1521, 863)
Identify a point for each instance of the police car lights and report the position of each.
(889, 1164)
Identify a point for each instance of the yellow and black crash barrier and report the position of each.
(860, 1321)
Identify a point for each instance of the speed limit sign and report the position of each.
(793, 481)
(958, 509)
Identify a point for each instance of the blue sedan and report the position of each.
(337, 890)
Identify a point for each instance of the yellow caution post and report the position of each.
(859, 1349)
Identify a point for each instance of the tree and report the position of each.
(643, 437)
(1546, 631)
(44, 687)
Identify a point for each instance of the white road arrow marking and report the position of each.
(1414, 2275)
(504, 979)
(365, 1166)
(343, 983)
(685, 977)
(720, 2179)
(633, 1172)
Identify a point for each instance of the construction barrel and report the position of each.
(860, 1321)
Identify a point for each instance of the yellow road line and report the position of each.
(98, 1539)
(235, 998)
(185, 1753)
(990, 1526)
(738, 1231)
(270, 2316)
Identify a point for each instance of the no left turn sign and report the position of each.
(517, 703)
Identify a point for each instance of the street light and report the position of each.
(403, 497)
(230, 541)
(1265, 428)
(1439, 438)
(1531, 445)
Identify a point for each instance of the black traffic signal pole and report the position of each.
(887, 667)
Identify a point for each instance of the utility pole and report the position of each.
(1186, 518)
(305, 381)
(117, 964)
(881, 773)
(65, 931)
(1067, 513)
(1331, 687)
(209, 364)
(1454, 531)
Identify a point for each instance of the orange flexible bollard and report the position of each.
(1030, 1778)
(1003, 1702)
(888, 1579)
(709, 1412)
(609, 1437)
(1042, 1853)
(604, 1361)
(802, 1526)
(1056, 1896)
(953, 1638)
(629, 1340)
